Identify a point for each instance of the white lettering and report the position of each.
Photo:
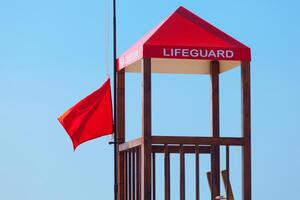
(212, 54)
(220, 54)
(185, 52)
(194, 53)
(165, 52)
(229, 54)
(201, 51)
(177, 52)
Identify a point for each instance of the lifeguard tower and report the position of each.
(186, 44)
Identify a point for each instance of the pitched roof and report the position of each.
(184, 35)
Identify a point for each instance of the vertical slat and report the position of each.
(246, 129)
(215, 155)
(120, 129)
(125, 176)
(209, 180)
(133, 174)
(146, 130)
(227, 184)
(228, 172)
(153, 177)
(197, 172)
(138, 174)
(182, 174)
(167, 173)
(129, 175)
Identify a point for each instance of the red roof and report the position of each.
(184, 35)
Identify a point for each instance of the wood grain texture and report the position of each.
(167, 173)
(215, 124)
(146, 130)
(246, 130)
(234, 141)
(120, 129)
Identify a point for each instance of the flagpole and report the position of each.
(115, 112)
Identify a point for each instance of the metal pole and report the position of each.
(115, 86)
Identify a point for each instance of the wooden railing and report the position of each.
(173, 145)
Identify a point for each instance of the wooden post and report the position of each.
(146, 130)
(246, 129)
(215, 118)
(120, 129)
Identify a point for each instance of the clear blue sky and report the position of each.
(51, 55)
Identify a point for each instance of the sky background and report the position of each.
(52, 55)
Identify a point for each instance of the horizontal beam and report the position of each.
(234, 141)
(176, 149)
(131, 144)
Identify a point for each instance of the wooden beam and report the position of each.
(120, 129)
(227, 184)
(146, 130)
(185, 149)
(234, 141)
(246, 129)
(130, 144)
(215, 124)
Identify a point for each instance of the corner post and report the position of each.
(120, 128)
(146, 130)
(246, 129)
(215, 120)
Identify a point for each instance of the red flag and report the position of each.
(91, 117)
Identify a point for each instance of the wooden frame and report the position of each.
(120, 130)
(246, 130)
(146, 130)
(215, 126)
(136, 172)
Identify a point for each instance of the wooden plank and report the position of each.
(120, 129)
(176, 149)
(129, 175)
(197, 174)
(138, 172)
(208, 175)
(133, 173)
(130, 144)
(167, 173)
(215, 119)
(234, 141)
(246, 129)
(227, 184)
(153, 178)
(182, 175)
(146, 130)
(125, 176)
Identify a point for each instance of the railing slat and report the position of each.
(138, 173)
(129, 176)
(133, 174)
(182, 174)
(167, 173)
(153, 177)
(125, 176)
(197, 172)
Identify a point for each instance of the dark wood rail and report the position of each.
(173, 145)
(234, 141)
